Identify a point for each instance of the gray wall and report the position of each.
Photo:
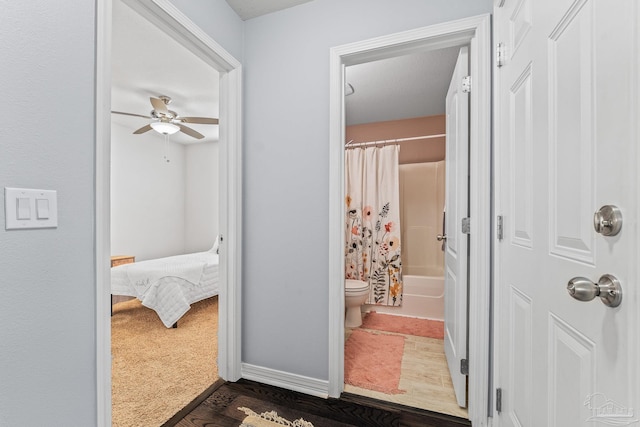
(201, 196)
(161, 209)
(148, 202)
(47, 284)
(218, 20)
(286, 167)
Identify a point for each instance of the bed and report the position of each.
(169, 285)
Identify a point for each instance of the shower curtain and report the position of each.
(372, 251)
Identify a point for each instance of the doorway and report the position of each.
(414, 104)
(164, 211)
(173, 23)
(474, 32)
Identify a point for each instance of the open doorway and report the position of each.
(411, 104)
(218, 163)
(472, 32)
(164, 222)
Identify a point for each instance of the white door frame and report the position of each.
(475, 32)
(169, 19)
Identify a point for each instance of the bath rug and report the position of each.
(269, 419)
(373, 361)
(404, 325)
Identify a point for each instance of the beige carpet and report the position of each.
(157, 371)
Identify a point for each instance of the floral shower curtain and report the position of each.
(373, 222)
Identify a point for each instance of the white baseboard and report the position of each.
(286, 380)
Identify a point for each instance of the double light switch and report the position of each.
(29, 208)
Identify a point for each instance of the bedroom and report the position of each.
(164, 202)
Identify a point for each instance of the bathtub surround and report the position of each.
(373, 361)
(372, 251)
(404, 325)
(422, 297)
(422, 190)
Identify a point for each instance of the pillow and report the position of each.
(216, 245)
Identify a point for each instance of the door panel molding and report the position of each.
(521, 148)
(521, 355)
(571, 134)
(520, 24)
(572, 371)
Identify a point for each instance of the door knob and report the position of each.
(608, 220)
(608, 289)
(441, 237)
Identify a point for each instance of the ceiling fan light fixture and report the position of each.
(165, 128)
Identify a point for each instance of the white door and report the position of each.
(457, 208)
(566, 137)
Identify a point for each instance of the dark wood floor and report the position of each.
(218, 407)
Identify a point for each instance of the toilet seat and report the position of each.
(355, 286)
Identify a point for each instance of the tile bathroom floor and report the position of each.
(425, 377)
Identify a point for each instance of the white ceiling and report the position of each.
(247, 9)
(146, 62)
(399, 88)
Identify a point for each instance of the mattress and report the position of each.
(169, 285)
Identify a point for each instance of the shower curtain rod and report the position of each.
(352, 144)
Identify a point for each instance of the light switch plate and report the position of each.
(11, 197)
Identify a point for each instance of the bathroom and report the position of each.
(421, 207)
(415, 287)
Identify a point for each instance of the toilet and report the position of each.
(355, 294)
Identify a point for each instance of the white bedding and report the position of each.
(168, 285)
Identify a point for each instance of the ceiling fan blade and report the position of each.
(159, 105)
(130, 114)
(143, 129)
(190, 131)
(199, 120)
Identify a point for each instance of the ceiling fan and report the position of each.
(169, 122)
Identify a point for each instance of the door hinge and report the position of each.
(466, 225)
(464, 366)
(498, 400)
(499, 228)
(466, 84)
(500, 54)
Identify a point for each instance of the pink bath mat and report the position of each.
(404, 325)
(373, 361)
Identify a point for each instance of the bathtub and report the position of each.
(423, 297)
